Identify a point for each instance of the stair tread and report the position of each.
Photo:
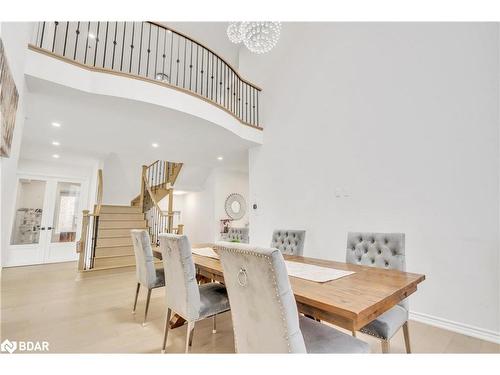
(111, 246)
(114, 256)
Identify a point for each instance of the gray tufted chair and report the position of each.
(237, 235)
(264, 311)
(147, 275)
(184, 296)
(289, 242)
(382, 250)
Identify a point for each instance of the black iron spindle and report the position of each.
(96, 42)
(56, 23)
(123, 46)
(65, 38)
(140, 50)
(184, 70)
(76, 40)
(177, 61)
(156, 54)
(87, 44)
(149, 51)
(131, 48)
(105, 45)
(190, 65)
(114, 46)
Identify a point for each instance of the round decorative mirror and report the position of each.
(235, 206)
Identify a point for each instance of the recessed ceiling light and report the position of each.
(55, 143)
(55, 156)
(220, 158)
(91, 36)
(155, 145)
(56, 125)
(168, 31)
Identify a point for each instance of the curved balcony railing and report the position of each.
(155, 53)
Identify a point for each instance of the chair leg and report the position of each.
(189, 335)
(214, 326)
(353, 333)
(147, 307)
(136, 295)
(386, 347)
(406, 332)
(167, 327)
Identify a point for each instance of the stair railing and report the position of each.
(159, 175)
(154, 53)
(85, 247)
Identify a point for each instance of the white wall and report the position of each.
(15, 36)
(203, 210)
(402, 119)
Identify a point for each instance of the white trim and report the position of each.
(464, 329)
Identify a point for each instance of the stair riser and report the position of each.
(136, 224)
(114, 251)
(119, 210)
(110, 242)
(114, 261)
(120, 217)
(104, 233)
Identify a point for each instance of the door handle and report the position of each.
(49, 228)
(42, 228)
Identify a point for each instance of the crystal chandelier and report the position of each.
(234, 33)
(258, 37)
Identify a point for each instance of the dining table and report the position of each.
(350, 302)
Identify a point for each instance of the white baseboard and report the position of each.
(464, 329)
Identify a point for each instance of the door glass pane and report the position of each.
(65, 212)
(28, 214)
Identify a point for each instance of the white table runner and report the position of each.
(314, 273)
(205, 252)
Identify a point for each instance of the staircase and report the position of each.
(106, 243)
(114, 243)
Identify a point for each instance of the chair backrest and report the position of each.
(182, 293)
(290, 242)
(263, 307)
(237, 234)
(382, 250)
(144, 261)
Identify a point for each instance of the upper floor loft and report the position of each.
(192, 77)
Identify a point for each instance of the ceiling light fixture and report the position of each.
(155, 145)
(91, 36)
(55, 143)
(220, 158)
(258, 37)
(56, 125)
(55, 156)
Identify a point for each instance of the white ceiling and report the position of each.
(96, 126)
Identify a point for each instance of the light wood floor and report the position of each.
(94, 316)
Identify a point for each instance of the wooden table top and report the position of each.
(351, 301)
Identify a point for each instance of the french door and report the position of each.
(47, 219)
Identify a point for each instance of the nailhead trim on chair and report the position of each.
(260, 255)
